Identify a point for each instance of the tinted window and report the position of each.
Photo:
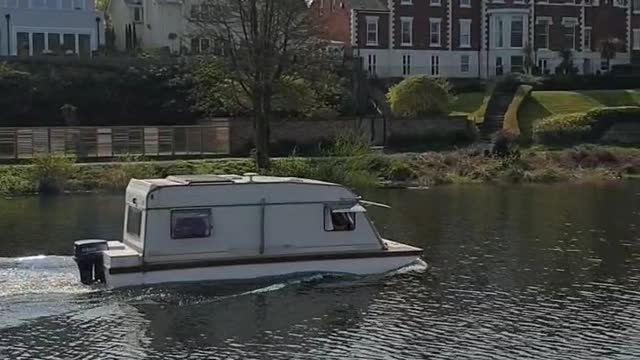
(189, 224)
(134, 221)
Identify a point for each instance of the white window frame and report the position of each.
(133, 9)
(406, 20)
(465, 3)
(435, 21)
(464, 64)
(406, 64)
(570, 22)
(498, 33)
(435, 2)
(372, 64)
(511, 21)
(587, 45)
(465, 24)
(406, 2)
(519, 2)
(82, 4)
(635, 41)
(636, 9)
(372, 20)
(435, 65)
(549, 21)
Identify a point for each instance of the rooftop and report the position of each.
(249, 178)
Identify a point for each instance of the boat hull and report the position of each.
(355, 266)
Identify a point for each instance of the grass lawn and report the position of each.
(466, 103)
(541, 104)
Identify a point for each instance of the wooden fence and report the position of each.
(105, 142)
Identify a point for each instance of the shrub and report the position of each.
(419, 96)
(509, 83)
(563, 129)
(50, 172)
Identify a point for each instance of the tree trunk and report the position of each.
(262, 111)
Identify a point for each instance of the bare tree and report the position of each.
(264, 42)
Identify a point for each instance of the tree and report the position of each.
(266, 44)
(528, 58)
(608, 49)
(566, 66)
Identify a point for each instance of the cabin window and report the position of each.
(190, 224)
(341, 218)
(134, 221)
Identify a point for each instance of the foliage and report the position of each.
(50, 172)
(511, 116)
(529, 62)
(32, 95)
(510, 82)
(420, 96)
(563, 129)
(504, 143)
(608, 48)
(566, 66)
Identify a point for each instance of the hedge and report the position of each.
(579, 127)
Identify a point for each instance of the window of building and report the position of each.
(24, 48)
(340, 219)
(517, 64)
(406, 31)
(499, 33)
(435, 2)
(465, 33)
(372, 64)
(84, 45)
(69, 43)
(499, 66)
(517, 31)
(587, 39)
(543, 65)
(636, 6)
(464, 63)
(435, 65)
(434, 31)
(138, 15)
(78, 4)
(134, 221)
(37, 4)
(51, 4)
(23, 4)
(636, 39)
(542, 33)
(406, 2)
(406, 64)
(66, 4)
(12, 4)
(465, 3)
(53, 43)
(190, 224)
(372, 30)
(38, 43)
(569, 26)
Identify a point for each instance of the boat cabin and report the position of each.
(206, 217)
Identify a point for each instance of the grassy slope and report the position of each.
(541, 104)
(466, 103)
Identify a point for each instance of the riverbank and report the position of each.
(584, 163)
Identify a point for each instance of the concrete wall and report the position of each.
(313, 131)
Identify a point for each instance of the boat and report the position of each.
(230, 227)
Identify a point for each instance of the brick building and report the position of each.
(480, 38)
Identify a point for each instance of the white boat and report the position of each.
(228, 227)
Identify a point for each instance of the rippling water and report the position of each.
(532, 272)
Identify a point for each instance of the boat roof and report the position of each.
(249, 178)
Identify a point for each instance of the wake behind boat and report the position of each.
(227, 227)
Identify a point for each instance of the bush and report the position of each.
(563, 129)
(419, 96)
(50, 172)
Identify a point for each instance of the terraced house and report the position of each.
(481, 38)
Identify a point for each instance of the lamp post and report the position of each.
(98, 32)
(8, 17)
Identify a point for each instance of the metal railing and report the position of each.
(105, 142)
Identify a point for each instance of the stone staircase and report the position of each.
(494, 117)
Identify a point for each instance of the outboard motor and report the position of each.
(88, 256)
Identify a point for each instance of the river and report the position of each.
(519, 272)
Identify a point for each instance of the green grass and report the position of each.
(466, 103)
(541, 104)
